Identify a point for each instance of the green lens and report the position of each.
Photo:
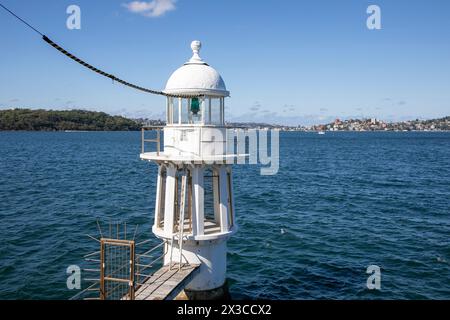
(195, 105)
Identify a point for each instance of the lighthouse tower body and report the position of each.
(194, 209)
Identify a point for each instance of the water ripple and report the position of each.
(340, 203)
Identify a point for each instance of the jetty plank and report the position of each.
(166, 283)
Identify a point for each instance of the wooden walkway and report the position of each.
(166, 284)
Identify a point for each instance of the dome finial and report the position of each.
(196, 46)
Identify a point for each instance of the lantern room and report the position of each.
(196, 77)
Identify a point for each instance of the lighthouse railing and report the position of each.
(144, 270)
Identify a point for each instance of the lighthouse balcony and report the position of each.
(189, 144)
(164, 158)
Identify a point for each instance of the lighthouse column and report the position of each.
(224, 203)
(213, 267)
(198, 215)
(170, 200)
(160, 198)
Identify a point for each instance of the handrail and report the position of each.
(153, 249)
(157, 140)
(140, 267)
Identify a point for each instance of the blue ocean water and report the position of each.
(340, 202)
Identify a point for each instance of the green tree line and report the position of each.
(54, 120)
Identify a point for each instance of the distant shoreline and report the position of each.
(301, 131)
(40, 120)
(69, 131)
(65, 120)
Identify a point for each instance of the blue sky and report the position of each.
(294, 62)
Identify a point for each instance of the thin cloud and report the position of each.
(281, 119)
(151, 9)
(288, 108)
(256, 106)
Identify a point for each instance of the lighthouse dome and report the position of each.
(196, 76)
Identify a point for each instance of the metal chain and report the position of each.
(114, 78)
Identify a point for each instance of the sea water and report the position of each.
(340, 203)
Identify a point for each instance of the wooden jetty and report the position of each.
(166, 283)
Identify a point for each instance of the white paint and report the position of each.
(199, 78)
(195, 76)
(196, 46)
(170, 201)
(223, 188)
(195, 141)
(215, 182)
(212, 255)
(198, 201)
(158, 196)
(205, 237)
(232, 223)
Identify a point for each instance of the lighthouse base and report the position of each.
(211, 255)
(220, 293)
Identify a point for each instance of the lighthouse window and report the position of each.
(189, 111)
(185, 114)
(168, 115)
(201, 110)
(173, 112)
(207, 111)
(216, 114)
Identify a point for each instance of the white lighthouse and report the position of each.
(194, 208)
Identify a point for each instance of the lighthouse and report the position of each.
(194, 207)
